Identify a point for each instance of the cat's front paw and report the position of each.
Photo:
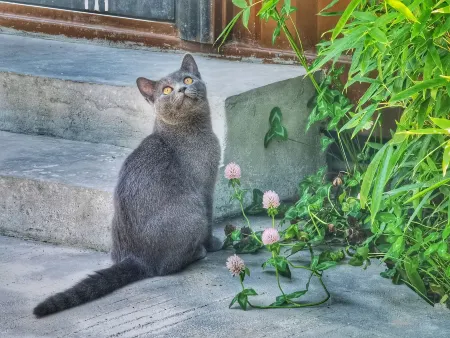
(213, 244)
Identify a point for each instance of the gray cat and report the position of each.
(163, 199)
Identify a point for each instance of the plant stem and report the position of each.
(245, 216)
(277, 276)
(315, 225)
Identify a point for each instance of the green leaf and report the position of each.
(386, 217)
(344, 18)
(331, 4)
(276, 130)
(300, 245)
(246, 17)
(296, 294)
(436, 58)
(444, 10)
(287, 6)
(443, 250)
(431, 188)
(280, 300)
(247, 271)
(428, 131)
(234, 300)
(356, 261)
(399, 6)
(243, 300)
(250, 292)
(446, 158)
(325, 142)
(363, 251)
(364, 16)
(381, 180)
(431, 237)
(378, 35)
(424, 85)
(236, 235)
(240, 3)
(432, 249)
(314, 262)
(446, 232)
(339, 46)
(325, 265)
(398, 247)
(411, 268)
(369, 176)
(441, 123)
(276, 33)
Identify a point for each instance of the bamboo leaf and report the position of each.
(428, 131)
(435, 55)
(240, 3)
(444, 10)
(344, 18)
(441, 123)
(378, 35)
(418, 88)
(446, 158)
(399, 6)
(423, 192)
(380, 183)
(331, 4)
(246, 17)
(370, 175)
(411, 268)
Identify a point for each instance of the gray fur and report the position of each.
(163, 199)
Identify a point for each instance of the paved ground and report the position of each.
(194, 303)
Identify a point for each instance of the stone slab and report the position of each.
(194, 303)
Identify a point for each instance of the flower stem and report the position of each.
(277, 276)
(245, 216)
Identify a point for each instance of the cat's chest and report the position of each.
(200, 160)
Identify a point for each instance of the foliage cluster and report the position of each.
(401, 49)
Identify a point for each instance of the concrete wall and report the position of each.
(283, 164)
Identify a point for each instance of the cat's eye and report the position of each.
(188, 80)
(167, 90)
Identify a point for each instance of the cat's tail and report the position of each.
(95, 286)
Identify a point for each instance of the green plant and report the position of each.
(402, 49)
(297, 231)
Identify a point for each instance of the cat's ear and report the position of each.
(189, 65)
(146, 87)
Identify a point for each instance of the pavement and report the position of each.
(194, 302)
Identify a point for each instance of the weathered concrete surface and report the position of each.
(74, 108)
(58, 190)
(194, 303)
(80, 111)
(281, 166)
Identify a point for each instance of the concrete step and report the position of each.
(58, 190)
(86, 93)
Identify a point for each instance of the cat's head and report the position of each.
(178, 96)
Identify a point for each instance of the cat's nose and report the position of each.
(182, 89)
